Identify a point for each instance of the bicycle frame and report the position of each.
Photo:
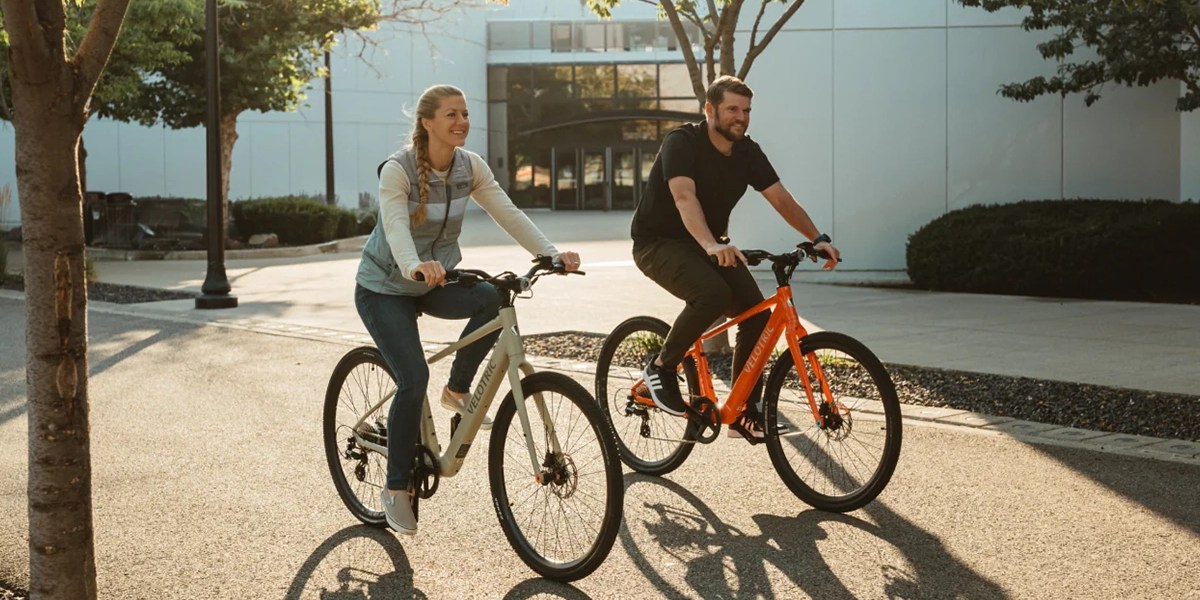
(507, 358)
(783, 320)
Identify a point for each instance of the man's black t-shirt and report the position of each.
(720, 182)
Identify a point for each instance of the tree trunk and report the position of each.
(229, 135)
(50, 95)
(61, 552)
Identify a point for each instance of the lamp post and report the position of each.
(215, 291)
(329, 197)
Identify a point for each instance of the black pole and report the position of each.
(215, 291)
(329, 197)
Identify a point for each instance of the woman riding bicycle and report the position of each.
(423, 192)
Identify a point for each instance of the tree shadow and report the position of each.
(710, 549)
(353, 563)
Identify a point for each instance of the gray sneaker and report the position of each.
(459, 405)
(398, 510)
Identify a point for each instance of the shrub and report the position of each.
(1101, 249)
(3, 260)
(297, 220)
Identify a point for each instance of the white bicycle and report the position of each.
(554, 472)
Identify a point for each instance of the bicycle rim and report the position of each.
(564, 526)
(649, 440)
(846, 464)
(359, 381)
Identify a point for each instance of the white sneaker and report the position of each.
(397, 508)
(459, 405)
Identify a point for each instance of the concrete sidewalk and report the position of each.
(1125, 344)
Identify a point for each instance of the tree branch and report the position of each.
(97, 45)
(27, 45)
(762, 9)
(754, 51)
(731, 13)
(689, 57)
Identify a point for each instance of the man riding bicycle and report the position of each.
(701, 172)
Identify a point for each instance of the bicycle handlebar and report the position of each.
(509, 281)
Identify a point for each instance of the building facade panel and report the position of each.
(1124, 146)
(1000, 150)
(873, 14)
(889, 137)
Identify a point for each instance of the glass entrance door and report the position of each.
(595, 179)
(565, 166)
(624, 178)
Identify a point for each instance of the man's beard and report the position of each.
(727, 132)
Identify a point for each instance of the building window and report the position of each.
(507, 35)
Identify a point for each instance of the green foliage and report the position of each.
(297, 220)
(153, 35)
(1113, 250)
(90, 273)
(270, 50)
(1135, 43)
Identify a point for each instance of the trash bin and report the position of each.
(93, 217)
(120, 223)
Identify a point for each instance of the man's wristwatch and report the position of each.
(824, 237)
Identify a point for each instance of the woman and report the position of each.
(423, 191)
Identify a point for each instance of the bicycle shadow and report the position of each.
(711, 550)
(544, 588)
(357, 562)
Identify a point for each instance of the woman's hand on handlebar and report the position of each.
(570, 260)
(431, 272)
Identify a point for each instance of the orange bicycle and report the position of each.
(831, 415)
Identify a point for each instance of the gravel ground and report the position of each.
(1117, 410)
(107, 292)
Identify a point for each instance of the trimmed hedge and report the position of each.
(1098, 249)
(297, 220)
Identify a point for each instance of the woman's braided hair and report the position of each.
(427, 107)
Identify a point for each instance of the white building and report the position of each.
(878, 115)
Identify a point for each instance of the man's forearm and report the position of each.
(798, 218)
(693, 220)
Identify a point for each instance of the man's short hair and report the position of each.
(726, 83)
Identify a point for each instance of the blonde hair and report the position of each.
(427, 107)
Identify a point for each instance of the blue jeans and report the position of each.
(392, 322)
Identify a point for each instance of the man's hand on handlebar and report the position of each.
(431, 272)
(834, 255)
(727, 255)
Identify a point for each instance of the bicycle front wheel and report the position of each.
(563, 518)
(844, 464)
(360, 380)
(650, 441)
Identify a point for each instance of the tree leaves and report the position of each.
(1129, 42)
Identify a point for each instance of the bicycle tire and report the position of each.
(359, 380)
(622, 358)
(521, 502)
(845, 466)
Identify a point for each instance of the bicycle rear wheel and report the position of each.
(561, 521)
(845, 465)
(650, 441)
(360, 379)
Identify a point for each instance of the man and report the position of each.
(701, 172)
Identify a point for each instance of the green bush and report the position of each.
(3, 260)
(297, 220)
(1101, 249)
